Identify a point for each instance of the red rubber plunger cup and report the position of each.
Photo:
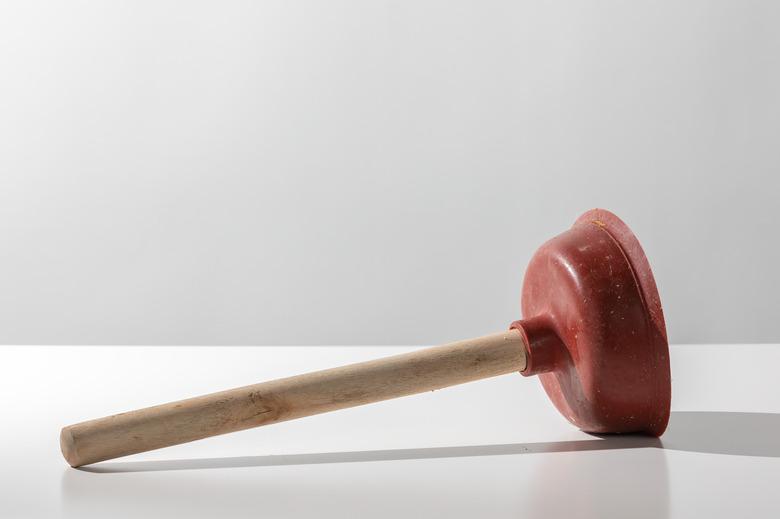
(594, 329)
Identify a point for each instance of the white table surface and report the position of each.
(494, 448)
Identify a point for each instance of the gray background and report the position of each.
(375, 172)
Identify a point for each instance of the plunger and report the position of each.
(593, 331)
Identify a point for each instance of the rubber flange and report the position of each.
(594, 329)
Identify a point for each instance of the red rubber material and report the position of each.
(594, 328)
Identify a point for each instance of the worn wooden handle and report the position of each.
(294, 397)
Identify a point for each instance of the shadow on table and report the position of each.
(623, 442)
(614, 484)
(740, 434)
(629, 479)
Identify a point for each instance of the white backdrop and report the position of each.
(305, 172)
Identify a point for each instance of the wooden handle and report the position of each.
(294, 397)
